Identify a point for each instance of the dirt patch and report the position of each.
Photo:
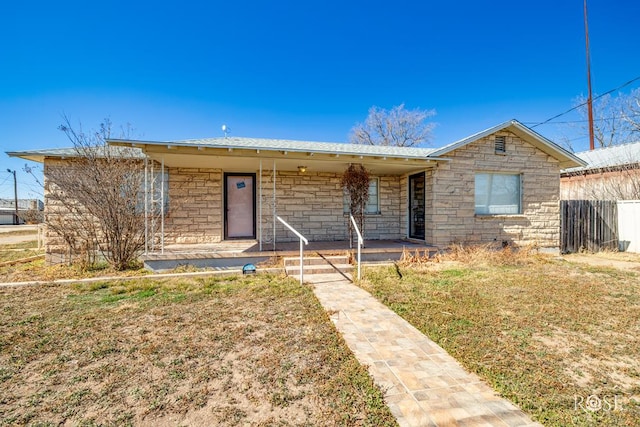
(622, 261)
(219, 351)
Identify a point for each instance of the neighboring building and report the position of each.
(611, 173)
(501, 184)
(27, 208)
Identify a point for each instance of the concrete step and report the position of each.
(315, 260)
(319, 269)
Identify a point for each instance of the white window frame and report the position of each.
(486, 207)
(373, 204)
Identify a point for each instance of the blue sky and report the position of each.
(299, 70)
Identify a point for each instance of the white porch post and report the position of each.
(162, 209)
(260, 206)
(152, 201)
(146, 205)
(274, 206)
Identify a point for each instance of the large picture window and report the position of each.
(498, 194)
(373, 204)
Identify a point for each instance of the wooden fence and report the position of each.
(588, 225)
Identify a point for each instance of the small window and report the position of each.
(498, 194)
(373, 204)
(501, 144)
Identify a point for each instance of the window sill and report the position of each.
(500, 216)
(346, 214)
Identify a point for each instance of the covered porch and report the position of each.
(234, 254)
(221, 192)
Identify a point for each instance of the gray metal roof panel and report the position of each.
(68, 152)
(616, 155)
(293, 146)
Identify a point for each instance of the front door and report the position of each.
(416, 206)
(240, 206)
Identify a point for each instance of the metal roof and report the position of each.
(290, 146)
(616, 155)
(39, 155)
(565, 158)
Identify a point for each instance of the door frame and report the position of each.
(410, 206)
(225, 210)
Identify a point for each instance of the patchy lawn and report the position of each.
(37, 270)
(560, 339)
(13, 251)
(256, 350)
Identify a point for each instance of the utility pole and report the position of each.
(590, 98)
(15, 196)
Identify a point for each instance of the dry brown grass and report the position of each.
(229, 351)
(17, 251)
(543, 332)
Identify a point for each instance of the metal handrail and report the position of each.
(302, 239)
(360, 240)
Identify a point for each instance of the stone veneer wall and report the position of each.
(194, 214)
(312, 203)
(452, 218)
(56, 250)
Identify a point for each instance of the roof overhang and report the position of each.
(70, 153)
(241, 158)
(27, 155)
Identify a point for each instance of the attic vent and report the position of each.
(501, 145)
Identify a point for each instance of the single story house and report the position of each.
(501, 184)
(610, 173)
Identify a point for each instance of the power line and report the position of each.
(583, 121)
(585, 103)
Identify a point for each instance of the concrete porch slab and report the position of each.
(236, 253)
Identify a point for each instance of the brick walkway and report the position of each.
(423, 385)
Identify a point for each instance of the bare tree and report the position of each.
(616, 118)
(355, 182)
(396, 127)
(631, 112)
(94, 198)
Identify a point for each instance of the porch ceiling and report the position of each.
(233, 160)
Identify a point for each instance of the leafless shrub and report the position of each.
(355, 182)
(94, 198)
(491, 254)
(32, 216)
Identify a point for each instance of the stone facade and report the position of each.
(56, 249)
(312, 203)
(194, 213)
(451, 196)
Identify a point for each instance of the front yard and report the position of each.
(254, 350)
(560, 339)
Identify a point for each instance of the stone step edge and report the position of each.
(316, 260)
